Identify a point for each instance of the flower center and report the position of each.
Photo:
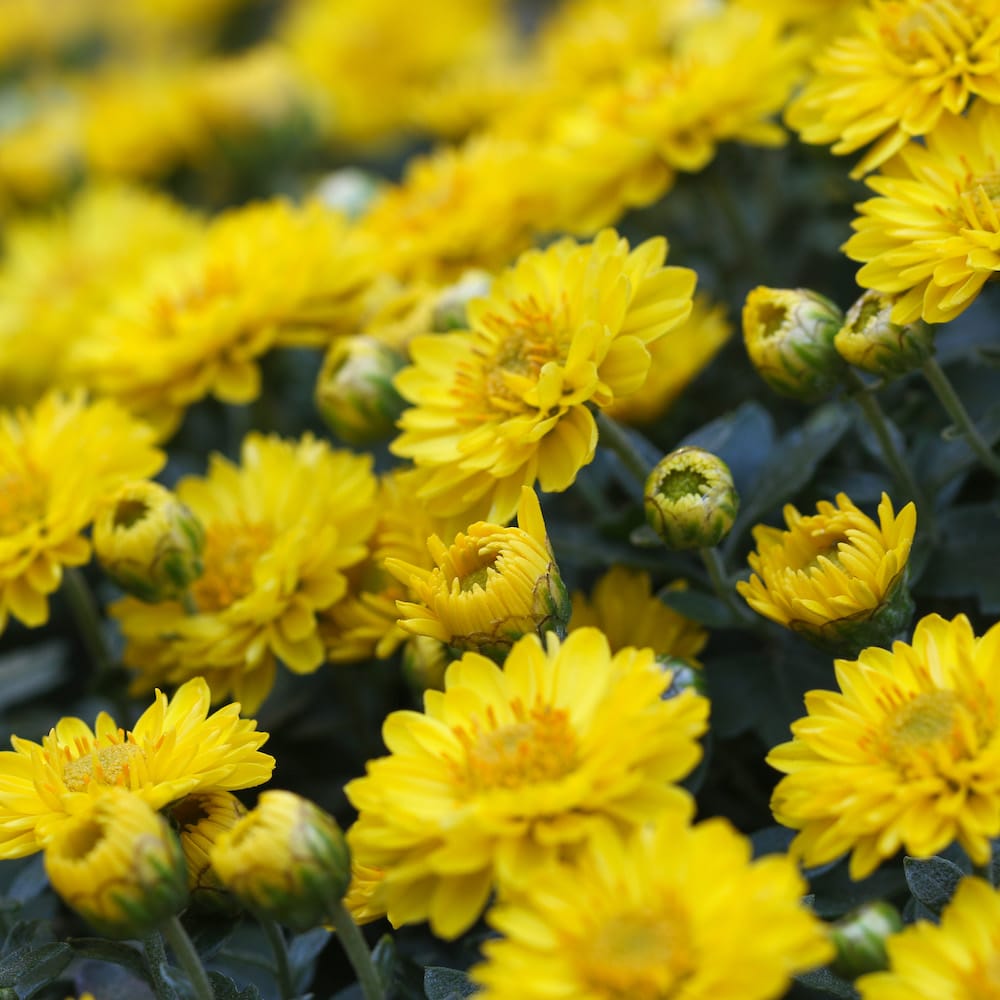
(814, 545)
(643, 955)
(22, 501)
(920, 725)
(107, 766)
(231, 552)
(978, 203)
(936, 32)
(539, 746)
(216, 283)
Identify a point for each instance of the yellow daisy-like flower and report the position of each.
(905, 755)
(505, 403)
(491, 586)
(280, 531)
(933, 235)
(833, 573)
(58, 463)
(668, 910)
(958, 959)
(265, 275)
(508, 769)
(904, 64)
(624, 608)
(174, 748)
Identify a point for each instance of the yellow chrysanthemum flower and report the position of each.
(933, 235)
(675, 361)
(833, 572)
(958, 958)
(908, 755)
(363, 900)
(505, 403)
(491, 586)
(625, 609)
(58, 463)
(509, 768)
(60, 273)
(890, 78)
(280, 531)
(266, 274)
(669, 910)
(174, 748)
(200, 819)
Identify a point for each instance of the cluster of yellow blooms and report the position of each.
(482, 319)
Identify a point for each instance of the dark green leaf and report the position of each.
(33, 670)
(35, 964)
(384, 960)
(932, 880)
(737, 688)
(964, 563)
(223, 988)
(704, 608)
(771, 840)
(837, 893)
(826, 982)
(115, 952)
(447, 984)
(303, 950)
(30, 881)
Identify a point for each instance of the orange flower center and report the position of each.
(22, 501)
(640, 955)
(231, 552)
(539, 746)
(107, 766)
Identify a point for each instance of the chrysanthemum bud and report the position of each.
(449, 308)
(690, 499)
(354, 392)
(789, 334)
(860, 939)
(118, 864)
(348, 190)
(491, 586)
(685, 676)
(200, 820)
(869, 339)
(286, 859)
(148, 542)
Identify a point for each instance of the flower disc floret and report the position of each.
(505, 403)
(175, 748)
(668, 910)
(509, 768)
(905, 755)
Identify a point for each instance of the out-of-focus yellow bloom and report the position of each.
(505, 404)
(624, 608)
(668, 910)
(201, 819)
(869, 339)
(956, 958)
(58, 464)
(690, 499)
(509, 769)
(906, 755)
(281, 530)
(266, 274)
(119, 865)
(676, 359)
(788, 333)
(890, 77)
(836, 576)
(930, 238)
(60, 273)
(148, 541)
(491, 586)
(363, 900)
(287, 859)
(175, 748)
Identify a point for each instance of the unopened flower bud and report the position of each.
(450, 306)
(200, 819)
(286, 859)
(354, 392)
(148, 542)
(869, 339)
(789, 334)
(690, 499)
(491, 586)
(424, 663)
(118, 864)
(348, 190)
(860, 939)
(684, 676)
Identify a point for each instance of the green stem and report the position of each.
(84, 609)
(876, 420)
(722, 585)
(955, 409)
(354, 944)
(187, 956)
(282, 971)
(613, 436)
(156, 964)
